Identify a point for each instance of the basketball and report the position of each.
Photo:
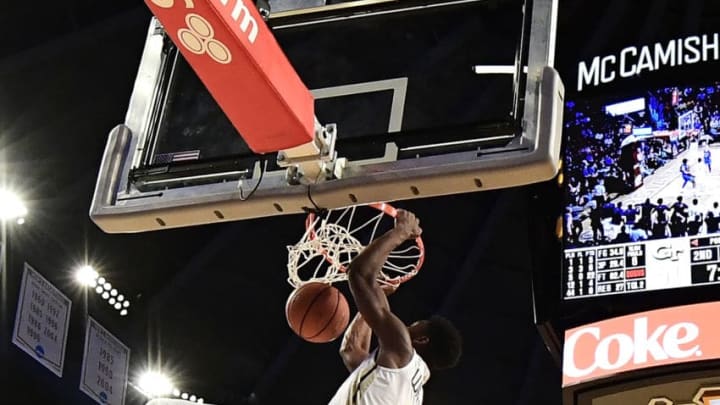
(317, 312)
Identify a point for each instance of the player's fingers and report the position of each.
(401, 214)
(409, 218)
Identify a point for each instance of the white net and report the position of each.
(333, 239)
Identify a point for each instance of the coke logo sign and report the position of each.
(649, 339)
(662, 344)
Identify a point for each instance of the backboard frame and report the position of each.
(118, 206)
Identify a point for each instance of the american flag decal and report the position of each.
(177, 157)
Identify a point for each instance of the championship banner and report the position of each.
(237, 58)
(648, 339)
(106, 361)
(42, 320)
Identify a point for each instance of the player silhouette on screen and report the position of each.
(395, 372)
(707, 158)
(687, 175)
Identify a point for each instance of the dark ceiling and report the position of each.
(208, 302)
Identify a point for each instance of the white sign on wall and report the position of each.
(105, 366)
(41, 321)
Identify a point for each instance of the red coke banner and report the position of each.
(236, 56)
(643, 340)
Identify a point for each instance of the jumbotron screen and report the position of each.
(642, 191)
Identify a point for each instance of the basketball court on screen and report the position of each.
(667, 184)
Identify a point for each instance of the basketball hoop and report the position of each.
(333, 238)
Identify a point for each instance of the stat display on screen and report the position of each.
(641, 190)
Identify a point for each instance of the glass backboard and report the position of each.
(425, 98)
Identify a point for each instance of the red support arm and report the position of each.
(234, 53)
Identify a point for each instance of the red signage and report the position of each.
(236, 56)
(648, 339)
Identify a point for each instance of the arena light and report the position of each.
(155, 384)
(626, 107)
(642, 131)
(496, 69)
(105, 289)
(86, 276)
(11, 206)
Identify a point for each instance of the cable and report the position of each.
(262, 172)
(317, 210)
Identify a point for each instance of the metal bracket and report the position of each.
(314, 161)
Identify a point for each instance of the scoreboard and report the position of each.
(643, 266)
(704, 259)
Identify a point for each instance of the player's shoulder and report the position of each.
(395, 356)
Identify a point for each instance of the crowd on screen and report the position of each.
(597, 170)
(657, 219)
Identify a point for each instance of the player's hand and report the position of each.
(407, 224)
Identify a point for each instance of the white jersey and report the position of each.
(372, 384)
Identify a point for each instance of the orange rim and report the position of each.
(389, 210)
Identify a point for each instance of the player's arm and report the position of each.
(394, 340)
(355, 346)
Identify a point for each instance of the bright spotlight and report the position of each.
(113, 292)
(118, 306)
(176, 392)
(11, 206)
(201, 401)
(184, 395)
(107, 286)
(101, 280)
(123, 312)
(126, 304)
(121, 298)
(86, 275)
(155, 384)
(111, 301)
(99, 289)
(105, 295)
(20, 221)
(193, 398)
